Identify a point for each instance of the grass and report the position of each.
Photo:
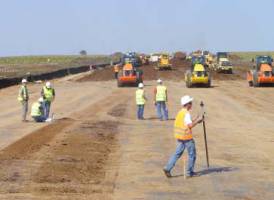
(247, 56)
(18, 66)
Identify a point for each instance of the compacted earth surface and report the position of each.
(96, 149)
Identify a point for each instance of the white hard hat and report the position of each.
(141, 85)
(24, 80)
(159, 81)
(48, 85)
(186, 99)
(41, 99)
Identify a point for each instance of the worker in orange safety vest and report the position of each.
(116, 69)
(183, 133)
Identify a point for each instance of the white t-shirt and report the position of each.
(188, 119)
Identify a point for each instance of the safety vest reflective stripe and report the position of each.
(23, 93)
(140, 100)
(181, 131)
(48, 93)
(35, 110)
(161, 93)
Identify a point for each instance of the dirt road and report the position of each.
(96, 149)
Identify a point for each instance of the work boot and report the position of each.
(167, 173)
(192, 175)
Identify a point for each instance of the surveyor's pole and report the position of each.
(205, 138)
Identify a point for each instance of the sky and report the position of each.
(50, 27)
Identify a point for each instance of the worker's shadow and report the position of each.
(216, 170)
(210, 171)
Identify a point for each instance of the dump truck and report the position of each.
(129, 76)
(163, 62)
(199, 74)
(262, 72)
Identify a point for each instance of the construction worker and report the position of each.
(37, 111)
(160, 100)
(183, 133)
(116, 70)
(48, 93)
(23, 97)
(140, 101)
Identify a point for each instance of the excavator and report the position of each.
(262, 72)
(129, 75)
(199, 74)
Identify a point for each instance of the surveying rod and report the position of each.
(204, 127)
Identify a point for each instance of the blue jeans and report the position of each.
(47, 108)
(190, 146)
(140, 111)
(39, 118)
(162, 111)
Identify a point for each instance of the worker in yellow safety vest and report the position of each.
(116, 69)
(48, 93)
(140, 101)
(37, 111)
(23, 98)
(160, 100)
(183, 133)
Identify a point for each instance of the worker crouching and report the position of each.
(183, 133)
(37, 111)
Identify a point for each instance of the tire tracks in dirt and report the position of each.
(69, 157)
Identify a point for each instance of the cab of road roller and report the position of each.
(129, 75)
(262, 72)
(199, 74)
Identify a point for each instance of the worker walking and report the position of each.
(140, 101)
(160, 100)
(116, 70)
(48, 94)
(183, 133)
(23, 98)
(37, 111)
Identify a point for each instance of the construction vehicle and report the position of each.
(144, 59)
(163, 62)
(222, 63)
(131, 57)
(262, 72)
(199, 74)
(129, 75)
(208, 57)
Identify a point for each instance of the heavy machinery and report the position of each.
(262, 72)
(144, 59)
(163, 62)
(222, 64)
(199, 74)
(131, 57)
(129, 75)
(208, 57)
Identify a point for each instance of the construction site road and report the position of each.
(96, 149)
